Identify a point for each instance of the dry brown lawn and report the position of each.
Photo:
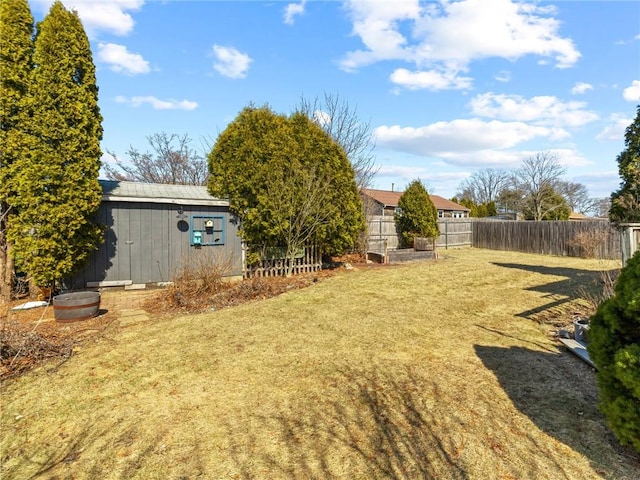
(442, 369)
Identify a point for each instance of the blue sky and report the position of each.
(448, 87)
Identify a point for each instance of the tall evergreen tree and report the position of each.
(625, 202)
(16, 50)
(56, 191)
(287, 181)
(614, 346)
(418, 216)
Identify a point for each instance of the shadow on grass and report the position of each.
(64, 455)
(561, 292)
(63, 451)
(559, 395)
(384, 430)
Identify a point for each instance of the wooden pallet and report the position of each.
(578, 348)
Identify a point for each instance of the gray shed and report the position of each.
(152, 229)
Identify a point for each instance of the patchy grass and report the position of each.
(438, 369)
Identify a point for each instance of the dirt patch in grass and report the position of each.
(31, 338)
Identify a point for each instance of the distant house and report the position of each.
(577, 216)
(152, 229)
(385, 203)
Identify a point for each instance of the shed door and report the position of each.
(146, 243)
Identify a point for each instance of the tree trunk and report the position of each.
(5, 289)
(6, 267)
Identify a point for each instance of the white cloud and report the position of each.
(540, 110)
(230, 62)
(509, 159)
(448, 139)
(431, 80)
(434, 181)
(627, 41)
(376, 23)
(599, 184)
(566, 156)
(632, 92)
(322, 118)
(503, 76)
(107, 158)
(405, 172)
(110, 16)
(580, 88)
(615, 130)
(410, 173)
(158, 104)
(448, 36)
(121, 60)
(293, 9)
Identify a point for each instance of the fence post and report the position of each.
(446, 235)
(243, 249)
(386, 255)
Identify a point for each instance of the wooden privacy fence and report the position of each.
(585, 238)
(275, 265)
(454, 232)
(588, 238)
(381, 232)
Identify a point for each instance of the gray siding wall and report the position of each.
(147, 242)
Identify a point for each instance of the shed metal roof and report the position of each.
(116, 191)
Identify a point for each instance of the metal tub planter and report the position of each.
(71, 307)
(581, 329)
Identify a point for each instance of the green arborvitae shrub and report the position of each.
(418, 216)
(288, 182)
(16, 66)
(614, 346)
(54, 187)
(625, 202)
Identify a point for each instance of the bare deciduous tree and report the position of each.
(536, 179)
(484, 186)
(601, 207)
(298, 198)
(577, 196)
(341, 122)
(172, 161)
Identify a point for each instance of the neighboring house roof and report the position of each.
(580, 216)
(114, 191)
(444, 204)
(383, 197)
(390, 199)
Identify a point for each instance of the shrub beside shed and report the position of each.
(151, 229)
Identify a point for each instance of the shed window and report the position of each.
(207, 230)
